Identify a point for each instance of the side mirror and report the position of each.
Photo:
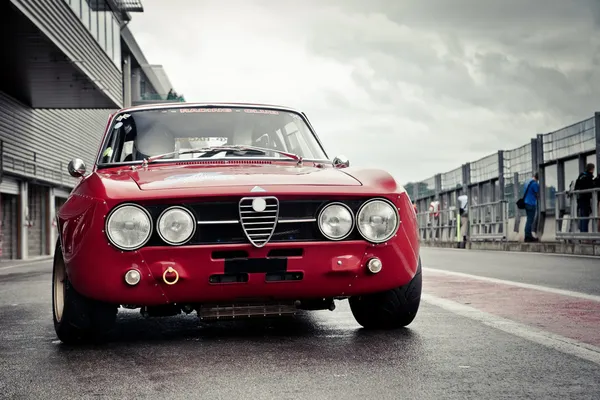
(341, 162)
(76, 168)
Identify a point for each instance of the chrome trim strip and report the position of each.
(279, 221)
(296, 221)
(230, 221)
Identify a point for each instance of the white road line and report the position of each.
(531, 253)
(518, 284)
(556, 342)
(26, 264)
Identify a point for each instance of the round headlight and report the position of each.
(129, 227)
(377, 221)
(336, 221)
(176, 225)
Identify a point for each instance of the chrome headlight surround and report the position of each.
(352, 217)
(112, 214)
(362, 209)
(192, 220)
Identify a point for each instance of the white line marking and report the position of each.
(556, 342)
(518, 284)
(26, 264)
(531, 253)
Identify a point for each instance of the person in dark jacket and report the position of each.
(585, 181)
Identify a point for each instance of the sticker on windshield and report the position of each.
(122, 117)
(205, 110)
(257, 111)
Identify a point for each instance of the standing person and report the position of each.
(585, 181)
(463, 204)
(532, 190)
(434, 218)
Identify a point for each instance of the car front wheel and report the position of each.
(76, 318)
(391, 309)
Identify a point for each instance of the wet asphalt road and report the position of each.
(580, 274)
(319, 355)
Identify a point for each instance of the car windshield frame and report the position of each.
(118, 116)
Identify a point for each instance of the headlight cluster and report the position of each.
(130, 226)
(377, 221)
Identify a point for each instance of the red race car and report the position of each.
(234, 211)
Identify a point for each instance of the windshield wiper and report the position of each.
(219, 149)
(174, 153)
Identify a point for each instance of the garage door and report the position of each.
(36, 232)
(8, 226)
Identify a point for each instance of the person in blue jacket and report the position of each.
(531, 194)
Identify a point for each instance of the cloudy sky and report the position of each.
(413, 86)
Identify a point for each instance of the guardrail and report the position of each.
(488, 221)
(569, 220)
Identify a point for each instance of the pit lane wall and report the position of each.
(494, 183)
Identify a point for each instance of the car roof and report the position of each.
(155, 106)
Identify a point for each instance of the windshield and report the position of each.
(138, 135)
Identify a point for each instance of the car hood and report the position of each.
(198, 176)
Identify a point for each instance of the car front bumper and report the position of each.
(325, 269)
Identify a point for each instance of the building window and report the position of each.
(85, 13)
(116, 42)
(102, 29)
(76, 6)
(94, 23)
(110, 47)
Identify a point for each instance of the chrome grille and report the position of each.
(259, 225)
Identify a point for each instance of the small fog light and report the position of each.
(132, 277)
(374, 265)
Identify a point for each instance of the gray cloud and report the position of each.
(417, 87)
(531, 66)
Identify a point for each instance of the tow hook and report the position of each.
(174, 279)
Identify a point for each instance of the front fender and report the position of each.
(89, 257)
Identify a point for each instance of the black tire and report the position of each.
(391, 309)
(77, 319)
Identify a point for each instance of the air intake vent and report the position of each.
(258, 216)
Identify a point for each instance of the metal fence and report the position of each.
(444, 227)
(573, 225)
(494, 183)
(488, 221)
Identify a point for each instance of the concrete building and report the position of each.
(66, 65)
